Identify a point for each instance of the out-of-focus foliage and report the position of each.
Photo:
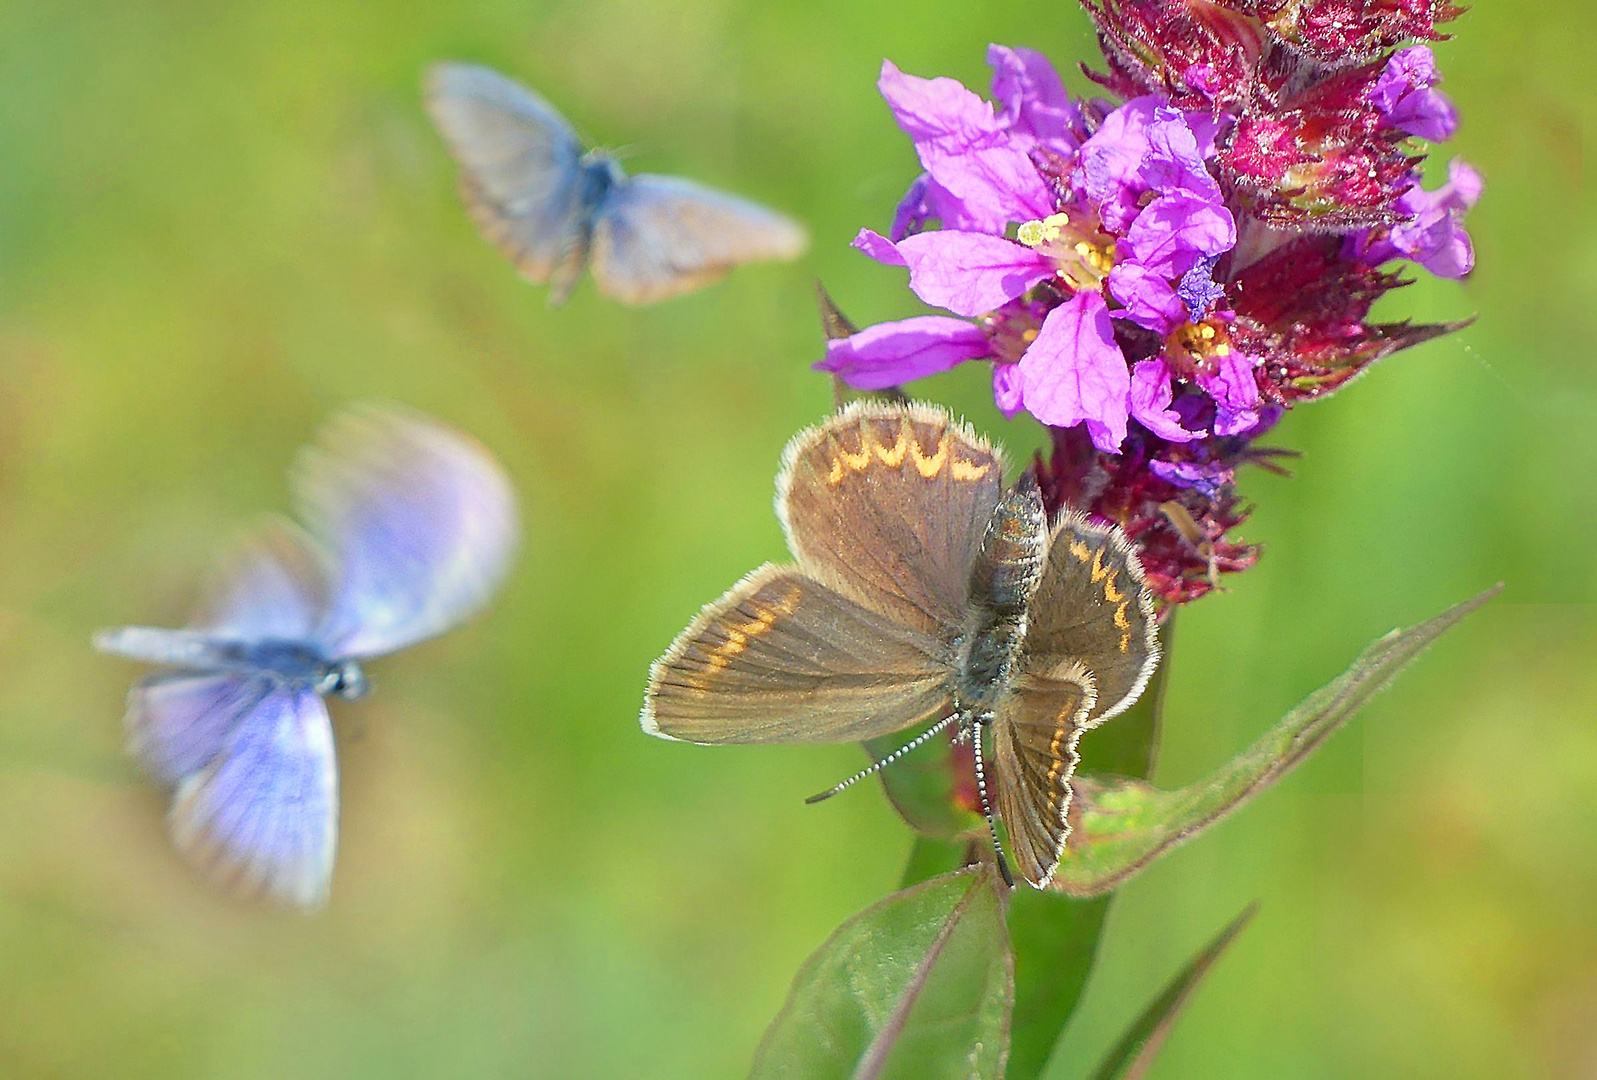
(219, 224)
(1134, 1054)
(1121, 826)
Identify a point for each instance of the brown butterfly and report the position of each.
(923, 590)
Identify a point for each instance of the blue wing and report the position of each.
(420, 521)
(262, 818)
(521, 175)
(177, 723)
(659, 236)
(274, 586)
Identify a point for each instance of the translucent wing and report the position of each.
(1037, 724)
(781, 658)
(1094, 607)
(521, 170)
(170, 648)
(421, 523)
(177, 723)
(273, 587)
(262, 819)
(660, 236)
(887, 505)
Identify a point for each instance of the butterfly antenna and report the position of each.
(886, 761)
(986, 807)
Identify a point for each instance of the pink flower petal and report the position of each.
(1174, 231)
(970, 273)
(1007, 389)
(1150, 300)
(1149, 399)
(967, 150)
(888, 354)
(1033, 97)
(878, 247)
(1075, 373)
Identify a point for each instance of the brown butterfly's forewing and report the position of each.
(782, 658)
(887, 504)
(1035, 729)
(1094, 607)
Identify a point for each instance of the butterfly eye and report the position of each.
(349, 681)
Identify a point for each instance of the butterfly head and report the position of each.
(601, 171)
(346, 679)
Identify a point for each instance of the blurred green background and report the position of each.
(219, 223)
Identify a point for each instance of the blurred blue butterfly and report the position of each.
(552, 206)
(411, 528)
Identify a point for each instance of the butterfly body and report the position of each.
(555, 207)
(285, 660)
(1004, 576)
(923, 591)
(412, 526)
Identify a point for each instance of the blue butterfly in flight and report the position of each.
(553, 206)
(410, 528)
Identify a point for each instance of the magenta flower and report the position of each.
(1405, 96)
(1161, 226)
(914, 348)
(1158, 280)
(1431, 232)
(978, 166)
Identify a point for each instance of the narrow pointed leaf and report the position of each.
(1055, 943)
(833, 322)
(835, 325)
(916, 986)
(1119, 826)
(1130, 1058)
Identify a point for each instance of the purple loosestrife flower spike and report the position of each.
(1157, 280)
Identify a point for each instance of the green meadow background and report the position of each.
(221, 222)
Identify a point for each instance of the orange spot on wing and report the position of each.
(858, 461)
(739, 635)
(929, 467)
(1123, 624)
(968, 470)
(893, 456)
(1099, 570)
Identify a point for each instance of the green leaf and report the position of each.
(916, 986)
(1119, 826)
(925, 784)
(1056, 943)
(931, 856)
(1130, 1057)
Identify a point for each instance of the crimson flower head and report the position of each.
(1157, 278)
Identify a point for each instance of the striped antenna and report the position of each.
(886, 761)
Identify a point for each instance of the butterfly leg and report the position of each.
(980, 722)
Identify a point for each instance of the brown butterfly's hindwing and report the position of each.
(1093, 606)
(1035, 729)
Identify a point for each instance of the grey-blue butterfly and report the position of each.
(553, 206)
(410, 528)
